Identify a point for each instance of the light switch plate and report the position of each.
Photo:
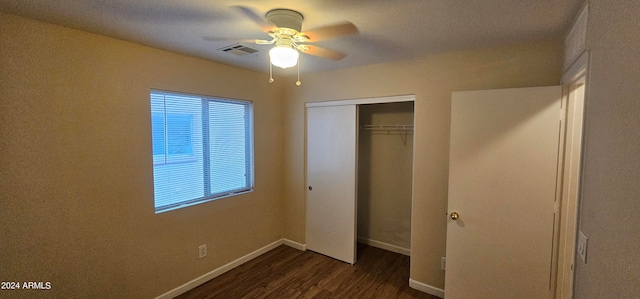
(582, 246)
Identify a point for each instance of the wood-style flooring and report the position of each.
(285, 272)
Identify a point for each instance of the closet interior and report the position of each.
(384, 179)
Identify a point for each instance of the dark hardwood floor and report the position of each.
(285, 272)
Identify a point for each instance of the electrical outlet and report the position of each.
(582, 246)
(443, 263)
(202, 251)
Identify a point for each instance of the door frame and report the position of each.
(356, 102)
(575, 76)
(362, 101)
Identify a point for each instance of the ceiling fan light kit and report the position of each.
(285, 52)
(284, 55)
(285, 28)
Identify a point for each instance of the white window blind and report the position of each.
(202, 149)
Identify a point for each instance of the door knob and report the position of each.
(454, 215)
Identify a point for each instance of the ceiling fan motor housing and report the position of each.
(285, 18)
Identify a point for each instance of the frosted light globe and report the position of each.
(283, 57)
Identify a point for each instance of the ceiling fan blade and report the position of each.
(323, 52)
(255, 17)
(264, 42)
(331, 31)
(222, 39)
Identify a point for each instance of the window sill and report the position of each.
(201, 200)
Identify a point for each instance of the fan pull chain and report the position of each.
(270, 72)
(298, 83)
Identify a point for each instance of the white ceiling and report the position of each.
(388, 30)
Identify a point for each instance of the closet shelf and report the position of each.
(401, 128)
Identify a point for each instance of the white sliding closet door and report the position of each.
(331, 181)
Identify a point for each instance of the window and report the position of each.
(202, 149)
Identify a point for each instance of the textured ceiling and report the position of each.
(388, 30)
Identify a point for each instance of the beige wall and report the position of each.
(385, 168)
(76, 200)
(432, 80)
(610, 202)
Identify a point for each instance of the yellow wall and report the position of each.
(432, 80)
(76, 200)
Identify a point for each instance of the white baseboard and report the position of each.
(219, 271)
(385, 246)
(426, 288)
(294, 244)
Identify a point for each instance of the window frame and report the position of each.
(159, 160)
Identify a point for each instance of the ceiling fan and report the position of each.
(285, 28)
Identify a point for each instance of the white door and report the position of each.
(502, 185)
(331, 181)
